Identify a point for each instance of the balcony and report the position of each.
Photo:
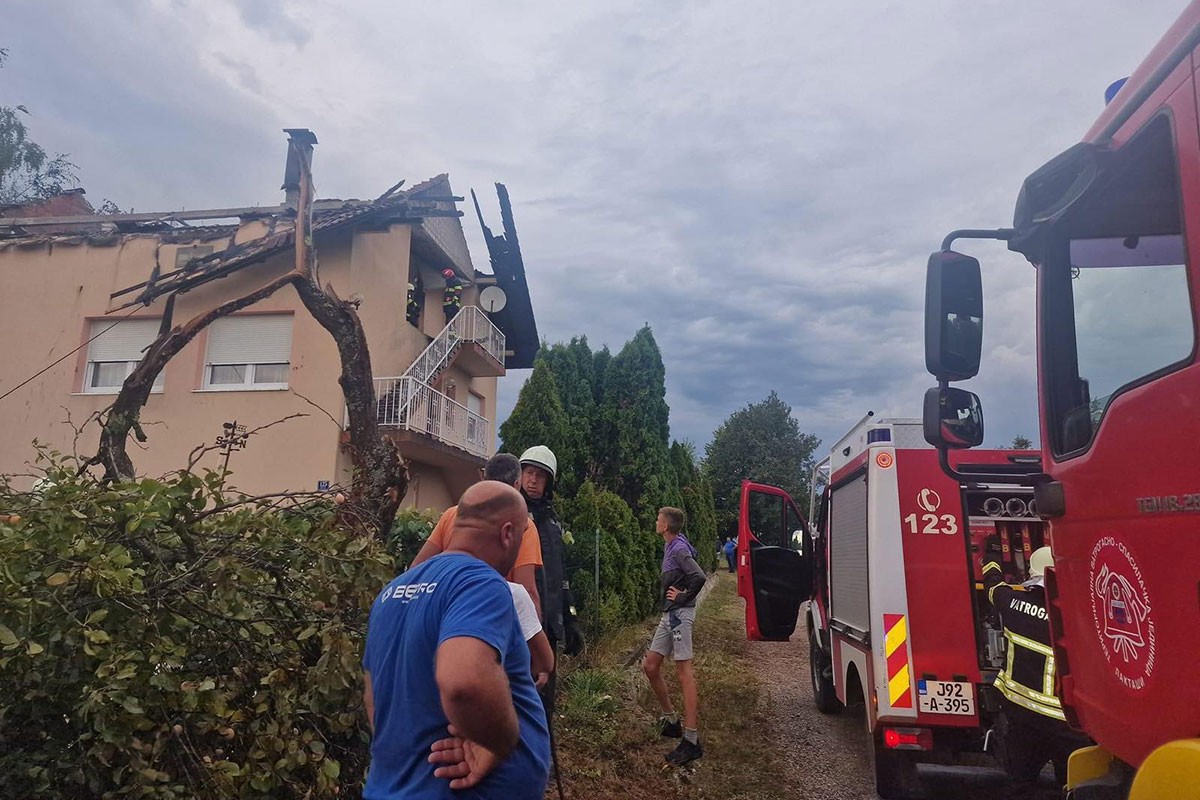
(409, 407)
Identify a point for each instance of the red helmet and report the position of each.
(447, 273)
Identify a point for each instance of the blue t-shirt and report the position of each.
(448, 596)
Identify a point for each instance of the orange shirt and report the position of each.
(530, 553)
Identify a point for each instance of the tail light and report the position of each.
(908, 738)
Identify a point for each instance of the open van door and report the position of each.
(774, 562)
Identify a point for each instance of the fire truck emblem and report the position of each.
(1121, 612)
(929, 500)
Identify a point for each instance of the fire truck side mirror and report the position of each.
(953, 418)
(953, 316)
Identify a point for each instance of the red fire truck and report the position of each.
(898, 619)
(1111, 226)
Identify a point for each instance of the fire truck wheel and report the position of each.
(896, 775)
(820, 668)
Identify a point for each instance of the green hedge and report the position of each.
(151, 648)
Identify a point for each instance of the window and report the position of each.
(250, 351)
(186, 255)
(766, 517)
(113, 352)
(1117, 309)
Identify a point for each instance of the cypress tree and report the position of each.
(538, 417)
(634, 425)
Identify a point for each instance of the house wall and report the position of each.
(53, 289)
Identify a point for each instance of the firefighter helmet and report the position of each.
(1041, 558)
(447, 273)
(541, 456)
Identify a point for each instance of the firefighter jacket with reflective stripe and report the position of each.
(452, 295)
(1028, 675)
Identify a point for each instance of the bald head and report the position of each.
(490, 523)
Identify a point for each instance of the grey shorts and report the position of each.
(673, 636)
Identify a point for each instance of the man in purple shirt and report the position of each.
(682, 579)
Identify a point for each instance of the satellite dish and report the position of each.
(492, 299)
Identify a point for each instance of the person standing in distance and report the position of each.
(682, 579)
(501, 467)
(448, 691)
(539, 467)
(451, 295)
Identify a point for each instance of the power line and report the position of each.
(54, 364)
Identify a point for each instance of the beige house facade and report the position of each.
(75, 292)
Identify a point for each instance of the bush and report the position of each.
(164, 639)
(409, 531)
(629, 565)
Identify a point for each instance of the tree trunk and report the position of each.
(124, 414)
(380, 474)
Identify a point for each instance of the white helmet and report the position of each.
(1041, 558)
(541, 456)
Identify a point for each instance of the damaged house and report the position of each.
(93, 291)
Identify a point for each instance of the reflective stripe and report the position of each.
(1025, 702)
(1048, 677)
(895, 637)
(1003, 680)
(1030, 644)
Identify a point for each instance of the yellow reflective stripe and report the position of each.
(1048, 677)
(896, 636)
(898, 686)
(1031, 694)
(1030, 644)
(990, 566)
(1032, 705)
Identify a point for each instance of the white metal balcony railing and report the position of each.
(406, 403)
(469, 325)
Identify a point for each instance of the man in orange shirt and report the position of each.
(505, 468)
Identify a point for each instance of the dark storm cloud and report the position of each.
(761, 184)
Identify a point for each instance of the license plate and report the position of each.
(946, 697)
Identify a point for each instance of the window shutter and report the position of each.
(251, 339)
(124, 342)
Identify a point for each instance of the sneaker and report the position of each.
(670, 730)
(685, 753)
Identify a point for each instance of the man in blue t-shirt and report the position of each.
(449, 693)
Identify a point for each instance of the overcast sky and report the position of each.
(761, 182)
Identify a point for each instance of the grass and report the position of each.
(605, 726)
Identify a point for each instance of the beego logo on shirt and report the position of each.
(405, 593)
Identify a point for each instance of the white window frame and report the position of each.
(249, 383)
(89, 371)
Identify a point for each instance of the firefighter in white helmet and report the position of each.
(539, 468)
(1031, 729)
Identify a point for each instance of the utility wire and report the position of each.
(54, 364)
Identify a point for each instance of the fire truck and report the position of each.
(898, 621)
(1112, 227)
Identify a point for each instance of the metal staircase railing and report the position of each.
(410, 402)
(468, 325)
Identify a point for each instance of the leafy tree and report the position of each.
(163, 639)
(1020, 442)
(538, 417)
(761, 442)
(697, 497)
(572, 367)
(634, 425)
(27, 172)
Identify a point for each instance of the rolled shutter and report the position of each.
(251, 339)
(123, 342)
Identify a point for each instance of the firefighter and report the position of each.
(539, 468)
(412, 311)
(452, 296)
(1031, 729)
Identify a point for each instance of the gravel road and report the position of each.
(827, 755)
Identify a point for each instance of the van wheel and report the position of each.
(895, 773)
(820, 668)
